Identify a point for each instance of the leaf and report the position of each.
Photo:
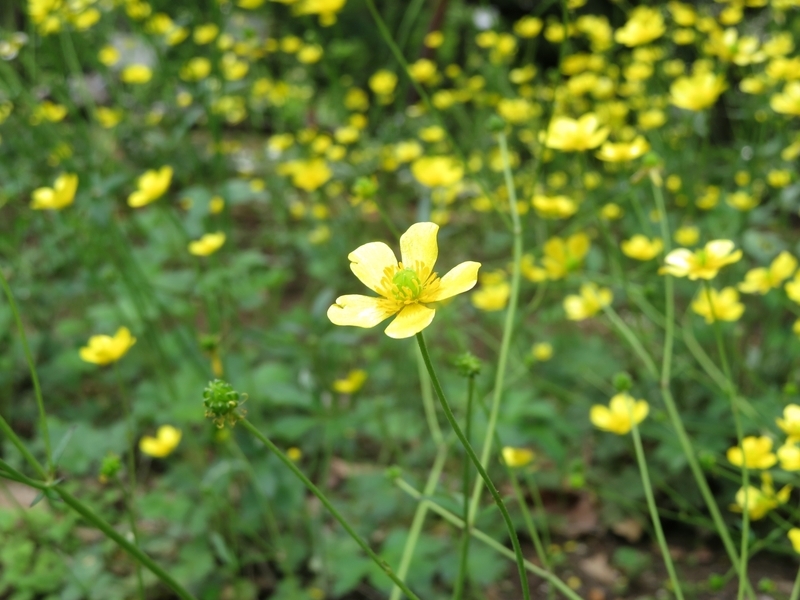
(62, 444)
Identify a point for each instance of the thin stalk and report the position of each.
(5, 428)
(631, 338)
(537, 502)
(330, 507)
(34, 377)
(419, 519)
(508, 328)
(461, 579)
(526, 516)
(98, 522)
(796, 588)
(428, 404)
(526, 594)
(9, 472)
(486, 539)
(651, 504)
(130, 490)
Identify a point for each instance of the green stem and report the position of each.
(331, 509)
(130, 490)
(508, 328)
(526, 594)
(651, 504)
(428, 404)
(526, 516)
(88, 514)
(486, 539)
(461, 579)
(796, 588)
(9, 472)
(5, 428)
(631, 338)
(34, 377)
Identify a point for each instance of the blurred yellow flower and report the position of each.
(308, 175)
(196, 69)
(109, 117)
(542, 351)
(757, 453)
(790, 423)
(788, 101)
(793, 288)
(105, 349)
(700, 264)
(528, 27)
(644, 25)
(742, 200)
(493, 293)
(437, 171)
(640, 247)
(294, 454)
(779, 178)
(207, 244)
(405, 288)
(724, 305)
(794, 538)
(517, 457)
(623, 151)
(108, 55)
(697, 92)
(151, 186)
(166, 440)
(352, 383)
(554, 207)
(383, 82)
(136, 74)
(687, 235)
(620, 415)
(434, 39)
(789, 455)
(571, 135)
(61, 195)
(611, 211)
(588, 303)
(216, 205)
(763, 279)
(564, 256)
(205, 34)
(422, 71)
(759, 502)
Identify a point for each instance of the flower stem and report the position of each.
(526, 594)
(508, 328)
(796, 588)
(34, 377)
(331, 509)
(461, 579)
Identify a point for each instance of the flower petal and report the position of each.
(359, 311)
(410, 321)
(369, 262)
(457, 280)
(418, 248)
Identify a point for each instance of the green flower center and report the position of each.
(407, 285)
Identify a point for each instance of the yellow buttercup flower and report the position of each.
(554, 207)
(437, 171)
(742, 200)
(688, 235)
(759, 502)
(789, 455)
(564, 256)
(205, 34)
(308, 175)
(136, 74)
(794, 538)
(700, 264)
(150, 186)
(105, 349)
(575, 135)
(528, 27)
(207, 244)
(61, 195)
(109, 117)
(697, 92)
(611, 211)
(405, 288)
(352, 383)
(790, 423)
(793, 288)
(644, 25)
(166, 440)
(591, 300)
(196, 69)
(543, 351)
(639, 247)
(779, 178)
(620, 414)
(623, 151)
(108, 55)
(383, 82)
(788, 101)
(763, 279)
(517, 457)
(724, 305)
(755, 452)
(493, 293)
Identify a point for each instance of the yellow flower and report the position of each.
(562, 257)
(528, 27)
(700, 264)
(166, 440)
(105, 349)
(590, 301)
(517, 457)
(405, 288)
(793, 288)
(207, 244)
(61, 195)
(150, 186)
(697, 92)
(794, 537)
(352, 383)
(687, 235)
(530, 270)
(788, 101)
(543, 351)
(724, 306)
(571, 135)
(492, 295)
(109, 117)
(325, 9)
(432, 134)
(196, 69)
(790, 423)
(216, 205)
(554, 207)
(640, 247)
(407, 151)
(757, 453)
(205, 34)
(760, 501)
(383, 82)
(709, 199)
(789, 455)
(294, 453)
(616, 417)
(308, 175)
(742, 200)
(437, 171)
(108, 55)
(763, 279)
(645, 25)
(623, 151)
(136, 74)
(779, 178)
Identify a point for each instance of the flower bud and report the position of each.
(467, 364)
(622, 382)
(221, 402)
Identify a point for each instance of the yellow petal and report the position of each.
(359, 311)
(369, 262)
(138, 199)
(153, 447)
(124, 338)
(410, 321)
(600, 416)
(457, 280)
(418, 248)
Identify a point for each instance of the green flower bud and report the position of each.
(110, 467)
(651, 159)
(467, 364)
(622, 382)
(365, 187)
(495, 124)
(222, 403)
(393, 472)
